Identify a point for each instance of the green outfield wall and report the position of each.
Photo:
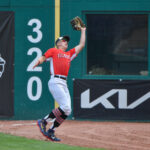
(35, 33)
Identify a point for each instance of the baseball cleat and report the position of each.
(51, 136)
(42, 126)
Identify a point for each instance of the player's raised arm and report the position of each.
(40, 61)
(81, 45)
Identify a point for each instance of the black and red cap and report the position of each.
(65, 37)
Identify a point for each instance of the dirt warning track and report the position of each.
(109, 135)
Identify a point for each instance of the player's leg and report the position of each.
(55, 90)
(60, 117)
(60, 94)
(43, 122)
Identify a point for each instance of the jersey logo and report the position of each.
(60, 55)
(2, 65)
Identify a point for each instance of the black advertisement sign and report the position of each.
(6, 63)
(111, 99)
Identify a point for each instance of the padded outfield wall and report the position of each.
(35, 31)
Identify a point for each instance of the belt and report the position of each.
(61, 77)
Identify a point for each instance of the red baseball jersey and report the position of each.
(60, 60)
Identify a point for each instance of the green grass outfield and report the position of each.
(10, 142)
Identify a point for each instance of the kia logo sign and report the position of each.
(103, 99)
(111, 99)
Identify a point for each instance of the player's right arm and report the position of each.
(48, 53)
(40, 61)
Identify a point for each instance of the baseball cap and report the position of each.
(65, 37)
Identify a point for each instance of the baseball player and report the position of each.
(60, 60)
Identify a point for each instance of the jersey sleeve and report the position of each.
(49, 53)
(72, 53)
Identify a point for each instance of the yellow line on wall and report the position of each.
(57, 19)
(57, 25)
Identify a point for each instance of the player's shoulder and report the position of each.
(52, 49)
(71, 50)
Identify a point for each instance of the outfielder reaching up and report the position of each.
(59, 67)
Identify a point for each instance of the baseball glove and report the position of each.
(77, 23)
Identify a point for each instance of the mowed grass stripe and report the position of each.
(10, 142)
